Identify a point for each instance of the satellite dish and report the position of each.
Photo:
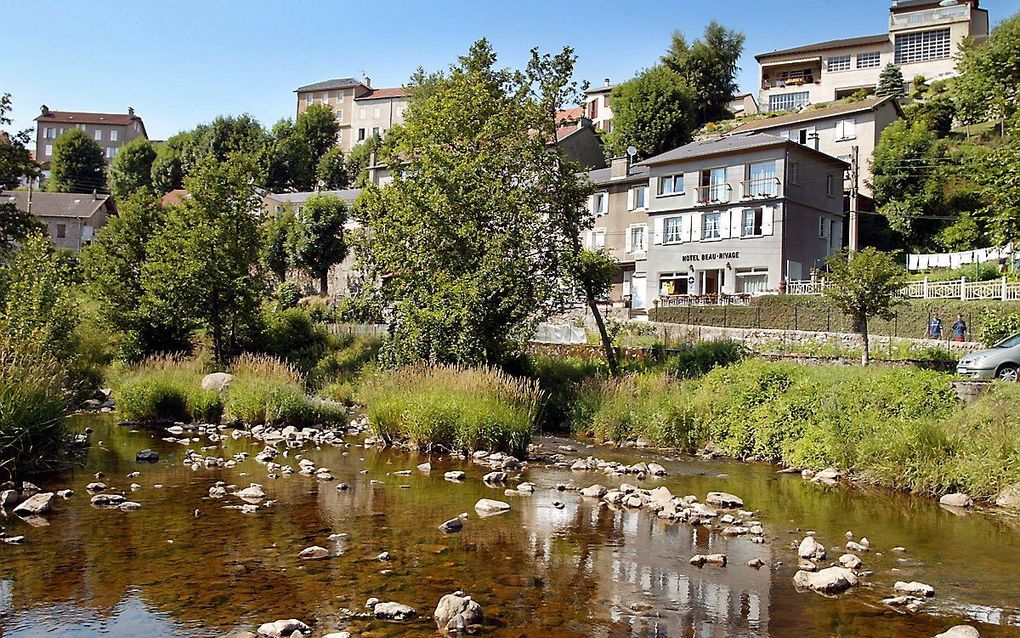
(631, 151)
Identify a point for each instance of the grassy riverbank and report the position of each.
(901, 428)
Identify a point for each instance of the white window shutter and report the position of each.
(697, 223)
(768, 214)
(736, 219)
(591, 204)
(685, 228)
(785, 135)
(658, 226)
(626, 286)
(589, 238)
(627, 242)
(630, 199)
(812, 140)
(724, 224)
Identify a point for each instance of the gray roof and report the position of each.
(716, 145)
(73, 205)
(601, 176)
(338, 83)
(348, 195)
(829, 44)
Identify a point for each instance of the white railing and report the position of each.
(1001, 289)
(941, 15)
(674, 301)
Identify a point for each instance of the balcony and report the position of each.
(714, 194)
(931, 17)
(783, 83)
(762, 188)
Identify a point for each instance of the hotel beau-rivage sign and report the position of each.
(710, 256)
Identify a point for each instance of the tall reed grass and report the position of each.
(165, 388)
(268, 391)
(452, 407)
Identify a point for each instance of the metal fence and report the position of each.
(998, 289)
(356, 329)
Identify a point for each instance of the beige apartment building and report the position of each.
(72, 220)
(361, 110)
(110, 130)
(835, 130)
(922, 38)
(598, 106)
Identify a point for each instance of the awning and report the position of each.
(816, 58)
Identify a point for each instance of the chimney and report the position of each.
(368, 81)
(606, 82)
(131, 111)
(45, 109)
(95, 195)
(619, 167)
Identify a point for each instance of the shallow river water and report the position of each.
(582, 570)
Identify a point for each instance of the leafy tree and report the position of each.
(318, 127)
(471, 239)
(131, 169)
(319, 237)
(15, 164)
(291, 165)
(359, 158)
(864, 284)
(229, 135)
(593, 273)
(113, 266)
(988, 86)
(202, 267)
(332, 170)
(77, 164)
(997, 174)
(890, 81)
(654, 112)
(174, 160)
(709, 68)
(277, 241)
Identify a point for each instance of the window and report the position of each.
(339, 114)
(846, 129)
(376, 131)
(49, 133)
(869, 60)
(325, 98)
(838, 63)
(794, 172)
(672, 228)
(61, 231)
(49, 149)
(752, 280)
(789, 101)
(598, 238)
(109, 152)
(593, 109)
(98, 135)
(637, 239)
(376, 113)
(113, 135)
(751, 226)
(362, 113)
(339, 96)
(600, 205)
(673, 283)
(823, 228)
(710, 223)
(361, 135)
(829, 188)
(671, 184)
(81, 127)
(848, 159)
(639, 198)
(761, 180)
(921, 46)
(713, 186)
(308, 99)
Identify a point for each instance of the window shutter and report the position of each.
(724, 224)
(736, 219)
(685, 228)
(812, 141)
(591, 204)
(697, 221)
(589, 239)
(768, 214)
(630, 199)
(626, 286)
(785, 135)
(657, 225)
(627, 242)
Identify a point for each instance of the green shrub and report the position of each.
(345, 359)
(451, 407)
(32, 408)
(293, 336)
(268, 391)
(997, 324)
(560, 379)
(287, 295)
(698, 358)
(165, 389)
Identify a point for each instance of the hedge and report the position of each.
(813, 313)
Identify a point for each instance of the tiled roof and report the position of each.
(326, 85)
(569, 115)
(601, 176)
(348, 195)
(75, 205)
(810, 114)
(175, 197)
(75, 117)
(378, 94)
(829, 44)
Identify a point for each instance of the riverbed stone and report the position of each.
(393, 611)
(960, 631)
(455, 475)
(252, 492)
(1009, 497)
(490, 507)
(811, 549)
(217, 381)
(714, 559)
(656, 470)
(452, 526)
(850, 561)
(495, 477)
(851, 546)
(35, 505)
(314, 552)
(914, 588)
(147, 456)
(456, 612)
(957, 499)
(831, 580)
(130, 506)
(8, 498)
(283, 628)
(95, 487)
(724, 500)
(594, 491)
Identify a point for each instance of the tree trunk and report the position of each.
(324, 283)
(866, 346)
(607, 344)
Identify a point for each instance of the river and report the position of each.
(583, 570)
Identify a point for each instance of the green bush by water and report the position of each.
(32, 408)
(267, 391)
(165, 389)
(896, 427)
(451, 407)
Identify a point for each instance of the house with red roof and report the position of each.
(110, 130)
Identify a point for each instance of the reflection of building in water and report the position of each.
(645, 581)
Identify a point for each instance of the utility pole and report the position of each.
(855, 174)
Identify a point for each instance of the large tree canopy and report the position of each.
(77, 164)
(709, 68)
(319, 236)
(16, 164)
(131, 169)
(653, 112)
(989, 83)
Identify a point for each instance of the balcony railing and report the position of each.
(675, 301)
(782, 83)
(714, 194)
(761, 188)
(942, 15)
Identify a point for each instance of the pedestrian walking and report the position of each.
(935, 326)
(959, 329)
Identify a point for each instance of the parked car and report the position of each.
(1001, 361)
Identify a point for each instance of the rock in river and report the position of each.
(283, 628)
(850, 561)
(455, 475)
(452, 526)
(810, 548)
(393, 611)
(831, 580)
(495, 477)
(914, 588)
(1009, 497)
(594, 491)
(956, 500)
(35, 505)
(314, 553)
(960, 631)
(488, 507)
(8, 498)
(724, 500)
(252, 492)
(147, 456)
(456, 612)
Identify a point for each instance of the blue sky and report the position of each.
(182, 62)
